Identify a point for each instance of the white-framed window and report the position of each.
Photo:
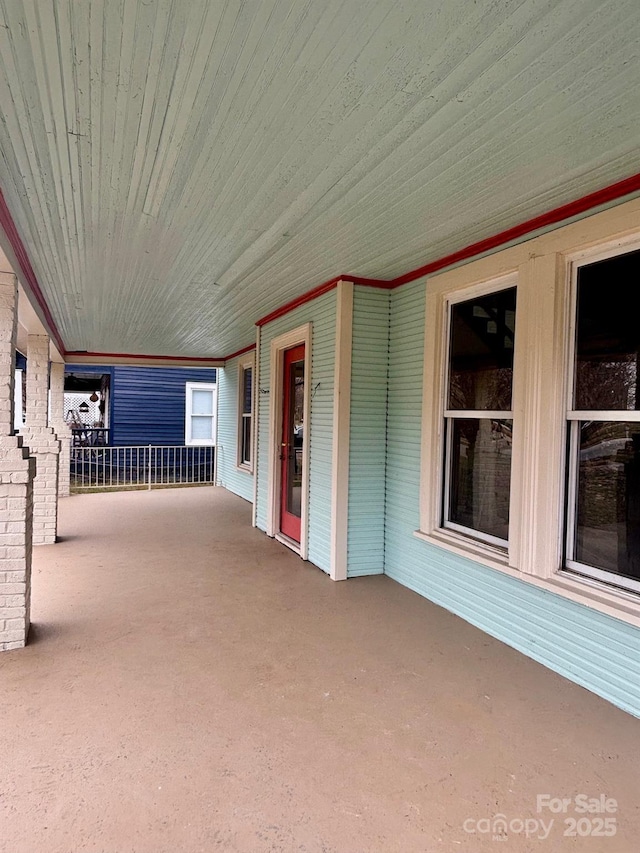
(477, 411)
(603, 446)
(572, 432)
(200, 413)
(245, 412)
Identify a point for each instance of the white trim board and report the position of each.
(341, 431)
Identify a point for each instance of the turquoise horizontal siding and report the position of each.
(235, 479)
(322, 314)
(597, 651)
(367, 443)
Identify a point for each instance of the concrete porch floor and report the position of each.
(191, 686)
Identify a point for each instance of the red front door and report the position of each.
(291, 444)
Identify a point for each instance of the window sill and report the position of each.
(246, 469)
(464, 546)
(596, 595)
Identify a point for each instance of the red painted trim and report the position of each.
(552, 217)
(300, 300)
(566, 211)
(368, 282)
(88, 354)
(320, 290)
(239, 352)
(9, 227)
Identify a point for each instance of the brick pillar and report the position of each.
(42, 441)
(17, 471)
(61, 428)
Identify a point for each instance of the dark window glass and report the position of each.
(246, 441)
(247, 377)
(480, 475)
(481, 352)
(608, 335)
(608, 507)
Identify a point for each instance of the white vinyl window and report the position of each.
(603, 483)
(531, 438)
(200, 414)
(245, 413)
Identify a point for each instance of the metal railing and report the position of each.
(90, 436)
(143, 466)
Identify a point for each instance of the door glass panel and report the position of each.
(293, 498)
(607, 531)
(480, 472)
(481, 352)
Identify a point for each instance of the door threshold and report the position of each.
(289, 543)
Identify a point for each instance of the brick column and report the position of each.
(60, 426)
(42, 441)
(17, 471)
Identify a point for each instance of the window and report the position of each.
(530, 457)
(603, 490)
(200, 416)
(245, 413)
(478, 418)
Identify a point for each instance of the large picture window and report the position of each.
(478, 417)
(603, 493)
(245, 413)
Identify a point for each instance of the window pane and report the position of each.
(246, 440)
(201, 427)
(608, 334)
(201, 402)
(481, 354)
(480, 475)
(247, 377)
(607, 532)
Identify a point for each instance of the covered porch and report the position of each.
(190, 684)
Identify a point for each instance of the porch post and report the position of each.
(62, 430)
(341, 429)
(42, 441)
(17, 471)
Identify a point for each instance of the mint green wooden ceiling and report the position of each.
(178, 169)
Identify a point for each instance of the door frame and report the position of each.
(295, 337)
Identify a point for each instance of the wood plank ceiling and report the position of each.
(178, 169)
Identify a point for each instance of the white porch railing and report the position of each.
(141, 466)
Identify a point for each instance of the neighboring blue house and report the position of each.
(144, 405)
